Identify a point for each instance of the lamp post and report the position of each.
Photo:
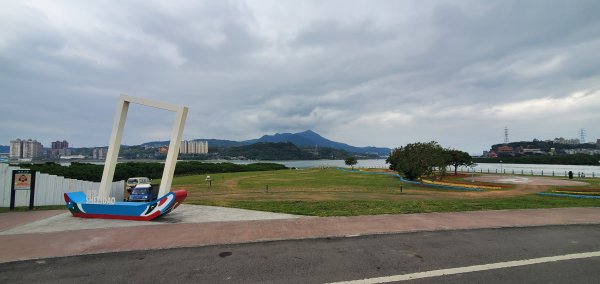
(501, 166)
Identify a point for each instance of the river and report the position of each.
(536, 169)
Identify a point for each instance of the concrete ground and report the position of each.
(62, 220)
(33, 235)
(530, 180)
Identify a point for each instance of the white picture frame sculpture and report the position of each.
(117, 133)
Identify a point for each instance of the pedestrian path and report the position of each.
(62, 220)
(167, 234)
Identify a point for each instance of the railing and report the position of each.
(528, 172)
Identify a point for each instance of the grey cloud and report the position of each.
(383, 73)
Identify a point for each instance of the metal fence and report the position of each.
(550, 173)
(49, 189)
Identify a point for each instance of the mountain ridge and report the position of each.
(304, 139)
(310, 138)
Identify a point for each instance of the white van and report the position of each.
(132, 182)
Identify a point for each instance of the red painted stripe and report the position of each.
(119, 217)
(162, 201)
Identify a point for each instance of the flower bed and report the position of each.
(578, 191)
(480, 183)
(467, 185)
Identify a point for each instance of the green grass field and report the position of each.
(331, 192)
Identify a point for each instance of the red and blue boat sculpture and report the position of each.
(138, 211)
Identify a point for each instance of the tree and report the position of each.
(418, 159)
(351, 161)
(457, 158)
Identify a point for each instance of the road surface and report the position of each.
(503, 255)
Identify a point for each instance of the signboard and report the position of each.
(22, 179)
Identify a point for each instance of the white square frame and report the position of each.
(117, 134)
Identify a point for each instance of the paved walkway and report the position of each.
(21, 245)
(62, 220)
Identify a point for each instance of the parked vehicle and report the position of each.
(144, 192)
(132, 182)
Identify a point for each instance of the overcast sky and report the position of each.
(380, 73)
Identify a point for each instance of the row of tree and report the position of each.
(123, 171)
(418, 160)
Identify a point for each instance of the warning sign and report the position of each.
(22, 180)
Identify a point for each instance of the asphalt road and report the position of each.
(338, 259)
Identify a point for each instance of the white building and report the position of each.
(193, 147)
(16, 149)
(99, 153)
(26, 149)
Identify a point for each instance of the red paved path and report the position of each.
(42, 245)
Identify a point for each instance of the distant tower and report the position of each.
(505, 135)
(581, 135)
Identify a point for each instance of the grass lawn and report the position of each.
(331, 192)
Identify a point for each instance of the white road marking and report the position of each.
(474, 268)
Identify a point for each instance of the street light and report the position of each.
(500, 166)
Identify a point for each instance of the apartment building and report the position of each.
(25, 149)
(193, 147)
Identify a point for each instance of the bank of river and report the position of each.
(370, 163)
(536, 169)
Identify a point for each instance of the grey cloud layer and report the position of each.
(380, 73)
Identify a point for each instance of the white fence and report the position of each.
(49, 189)
(528, 172)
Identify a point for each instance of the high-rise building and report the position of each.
(99, 153)
(59, 149)
(16, 149)
(193, 147)
(60, 144)
(26, 149)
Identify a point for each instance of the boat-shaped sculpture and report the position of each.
(102, 205)
(139, 211)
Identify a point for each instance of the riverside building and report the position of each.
(25, 149)
(59, 149)
(193, 147)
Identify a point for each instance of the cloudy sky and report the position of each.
(381, 73)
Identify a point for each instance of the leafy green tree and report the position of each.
(418, 159)
(457, 158)
(351, 161)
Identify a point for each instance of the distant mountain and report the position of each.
(272, 151)
(4, 149)
(223, 143)
(309, 138)
(304, 139)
